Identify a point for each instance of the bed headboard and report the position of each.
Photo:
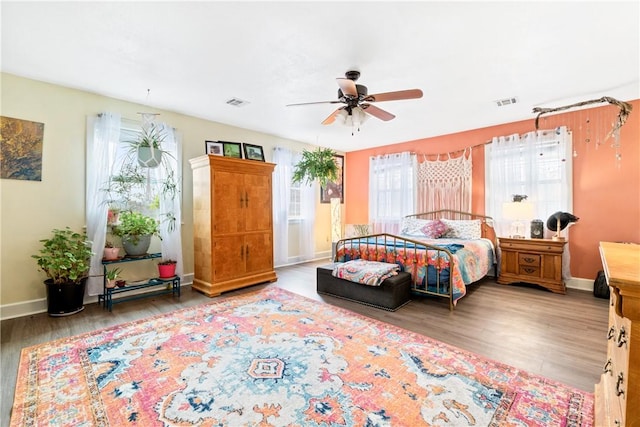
(486, 222)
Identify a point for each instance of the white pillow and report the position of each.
(413, 226)
(469, 229)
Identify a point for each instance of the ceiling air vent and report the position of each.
(237, 102)
(507, 101)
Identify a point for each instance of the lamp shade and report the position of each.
(354, 118)
(517, 211)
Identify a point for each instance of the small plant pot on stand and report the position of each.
(167, 270)
(111, 254)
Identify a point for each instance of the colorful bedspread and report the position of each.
(371, 273)
(430, 269)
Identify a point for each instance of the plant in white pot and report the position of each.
(136, 229)
(65, 258)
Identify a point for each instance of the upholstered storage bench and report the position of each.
(392, 294)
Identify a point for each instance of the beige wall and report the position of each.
(31, 209)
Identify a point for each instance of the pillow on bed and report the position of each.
(470, 229)
(435, 229)
(413, 226)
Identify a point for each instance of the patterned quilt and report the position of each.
(430, 269)
(371, 273)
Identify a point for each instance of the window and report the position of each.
(294, 213)
(538, 165)
(391, 190)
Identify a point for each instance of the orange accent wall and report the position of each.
(606, 193)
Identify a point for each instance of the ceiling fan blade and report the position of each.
(332, 117)
(311, 103)
(377, 112)
(347, 86)
(394, 96)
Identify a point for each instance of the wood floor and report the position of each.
(562, 337)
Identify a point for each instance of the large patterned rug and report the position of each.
(273, 358)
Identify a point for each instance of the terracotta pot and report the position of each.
(111, 283)
(111, 254)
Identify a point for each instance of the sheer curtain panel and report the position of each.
(392, 190)
(103, 138)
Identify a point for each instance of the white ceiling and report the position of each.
(194, 56)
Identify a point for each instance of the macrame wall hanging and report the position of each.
(445, 184)
(593, 127)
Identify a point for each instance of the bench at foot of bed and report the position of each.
(392, 294)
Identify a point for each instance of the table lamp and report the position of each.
(519, 213)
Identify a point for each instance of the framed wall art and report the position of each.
(21, 149)
(334, 189)
(232, 149)
(253, 152)
(214, 148)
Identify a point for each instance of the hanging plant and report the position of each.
(319, 164)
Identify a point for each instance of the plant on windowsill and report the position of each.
(65, 258)
(319, 164)
(136, 230)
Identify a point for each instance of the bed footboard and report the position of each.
(430, 266)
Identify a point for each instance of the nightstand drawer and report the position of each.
(531, 260)
(525, 270)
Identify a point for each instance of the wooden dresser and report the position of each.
(617, 394)
(536, 261)
(232, 223)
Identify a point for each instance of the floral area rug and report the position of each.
(274, 358)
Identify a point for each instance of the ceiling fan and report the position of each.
(355, 98)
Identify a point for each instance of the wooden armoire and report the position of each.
(232, 223)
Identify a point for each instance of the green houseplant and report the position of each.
(111, 277)
(65, 258)
(148, 145)
(319, 164)
(136, 230)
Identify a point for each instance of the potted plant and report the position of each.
(319, 164)
(111, 253)
(136, 230)
(148, 145)
(167, 268)
(111, 276)
(65, 258)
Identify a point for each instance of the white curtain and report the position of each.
(445, 184)
(537, 164)
(307, 241)
(285, 161)
(171, 200)
(392, 190)
(103, 137)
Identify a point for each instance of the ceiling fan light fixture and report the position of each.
(353, 118)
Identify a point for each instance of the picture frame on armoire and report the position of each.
(334, 189)
(253, 152)
(232, 149)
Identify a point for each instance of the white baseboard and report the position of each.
(581, 284)
(28, 308)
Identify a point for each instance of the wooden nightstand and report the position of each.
(536, 261)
